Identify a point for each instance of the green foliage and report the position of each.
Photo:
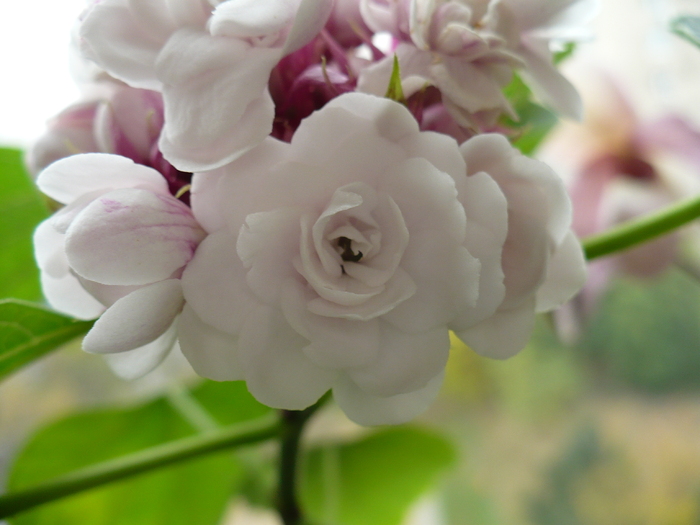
(21, 209)
(534, 121)
(556, 504)
(646, 334)
(395, 89)
(28, 332)
(373, 481)
(193, 493)
(687, 27)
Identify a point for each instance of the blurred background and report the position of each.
(598, 421)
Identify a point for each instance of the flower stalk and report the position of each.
(130, 465)
(641, 230)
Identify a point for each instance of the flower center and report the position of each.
(344, 247)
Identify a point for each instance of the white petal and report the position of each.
(212, 353)
(65, 294)
(277, 372)
(137, 319)
(566, 275)
(216, 101)
(311, 16)
(215, 286)
(503, 334)
(130, 236)
(113, 36)
(406, 362)
(136, 363)
(251, 18)
(335, 343)
(67, 179)
(367, 409)
(551, 86)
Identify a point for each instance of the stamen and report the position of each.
(347, 254)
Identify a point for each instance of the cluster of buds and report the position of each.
(247, 191)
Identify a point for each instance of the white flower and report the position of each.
(211, 64)
(117, 248)
(440, 44)
(339, 261)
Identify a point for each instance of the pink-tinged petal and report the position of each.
(217, 105)
(277, 372)
(503, 334)
(335, 343)
(214, 284)
(138, 362)
(113, 36)
(137, 319)
(130, 236)
(406, 362)
(67, 179)
(469, 86)
(671, 133)
(212, 353)
(566, 275)
(311, 16)
(367, 409)
(550, 85)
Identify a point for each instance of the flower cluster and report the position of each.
(244, 189)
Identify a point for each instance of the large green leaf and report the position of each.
(375, 480)
(21, 209)
(687, 27)
(192, 493)
(28, 331)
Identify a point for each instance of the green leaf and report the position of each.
(192, 493)
(21, 209)
(373, 481)
(28, 331)
(534, 121)
(687, 27)
(395, 89)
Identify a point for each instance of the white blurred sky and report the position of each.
(660, 71)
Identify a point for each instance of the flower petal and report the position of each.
(503, 334)
(406, 362)
(212, 353)
(566, 275)
(217, 105)
(138, 362)
(367, 409)
(132, 236)
(137, 319)
(67, 179)
(277, 372)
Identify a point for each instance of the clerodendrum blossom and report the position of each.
(341, 260)
(117, 249)
(212, 65)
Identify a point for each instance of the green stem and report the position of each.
(294, 421)
(641, 230)
(139, 462)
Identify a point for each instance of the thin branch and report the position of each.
(140, 462)
(641, 230)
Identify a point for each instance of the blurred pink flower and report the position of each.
(619, 167)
